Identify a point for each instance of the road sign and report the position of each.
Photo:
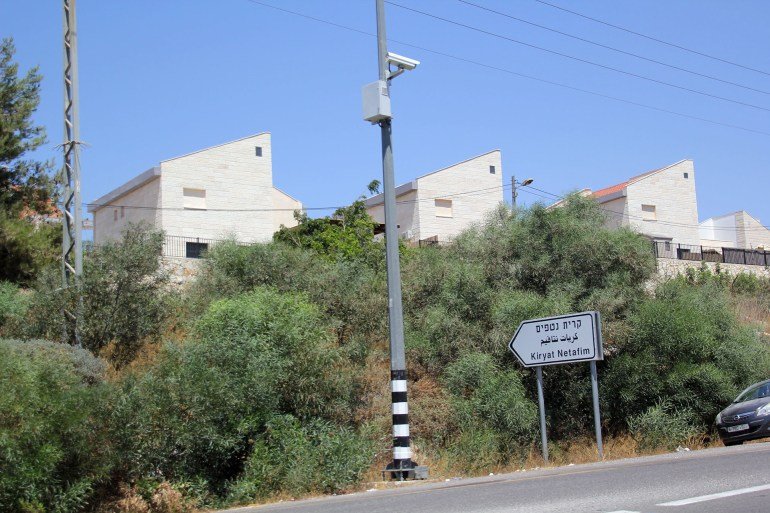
(561, 339)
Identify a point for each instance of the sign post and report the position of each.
(556, 340)
(541, 406)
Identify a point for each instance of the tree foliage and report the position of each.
(347, 235)
(123, 296)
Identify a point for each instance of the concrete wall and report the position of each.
(675, 202)
(455, 183)
(669, 268)
(286, 206)
(233, 178)
(147, 196)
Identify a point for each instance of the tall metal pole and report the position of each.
(402, 452)
(72, 239)
(513, 192)
(541, 405)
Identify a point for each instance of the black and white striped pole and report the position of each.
(377, 110)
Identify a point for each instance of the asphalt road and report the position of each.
(734, 479)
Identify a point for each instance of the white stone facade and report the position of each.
(660, 204)
(441, 204)
(222, 191)
(735, 230)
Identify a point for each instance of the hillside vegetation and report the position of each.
(269, 376)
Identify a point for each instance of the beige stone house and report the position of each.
(735, 230)
(437, 206)
(213, 193)
(660, 204)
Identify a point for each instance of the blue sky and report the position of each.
(163, 78)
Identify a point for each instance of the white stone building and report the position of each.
(439, 205)
(221, 191)
(660, 204)
(735, 230)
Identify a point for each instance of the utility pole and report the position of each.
(377, 110)
(72, 226)
(513, 192)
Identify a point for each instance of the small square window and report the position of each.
(649, 213)
(258, 151)
(194, 199)
(195, 249)
(492, 170)
(686, 176)
(443, 208)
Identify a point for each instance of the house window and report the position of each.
(443, 208)
(258, 151)
(492, 170)
(667, 246)
(115, 215)
(194, 199)
(122, 212)
(686, 176)
(195, 249)
(648, 213)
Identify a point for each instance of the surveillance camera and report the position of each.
(402, 62)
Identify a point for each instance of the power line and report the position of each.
(651, 38)
(579, 59)
(608, 47)
(520, 75)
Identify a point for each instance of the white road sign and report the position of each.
(562, 339)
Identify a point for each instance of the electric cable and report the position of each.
(578, 59)
(612, 48)
(651, 38)
(520, 75)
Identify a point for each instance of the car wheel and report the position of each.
(730, 444)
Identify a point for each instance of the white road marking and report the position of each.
(713, 496)
(624, 511)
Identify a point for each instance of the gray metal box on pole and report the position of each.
(376, 101)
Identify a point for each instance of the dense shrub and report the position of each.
(53, 448)
(198, 410)
(492, 401)
(299, 458)
(351, 293)
(13, 307)
(123, 299)
(663, 426)
(687, 347)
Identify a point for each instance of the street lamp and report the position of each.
(514, 183)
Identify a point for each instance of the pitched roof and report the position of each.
(614, 191)
(411, 186)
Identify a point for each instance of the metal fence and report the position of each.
(711, 254)
(186, 247)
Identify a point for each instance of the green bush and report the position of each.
(13, 307)
(663, 426)
(686, 347)
(351, 294)
(298, 458)
(53, 447)
(197, 411)
(123, 291)
(491, 400)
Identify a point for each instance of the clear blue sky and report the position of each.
(160, 79)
